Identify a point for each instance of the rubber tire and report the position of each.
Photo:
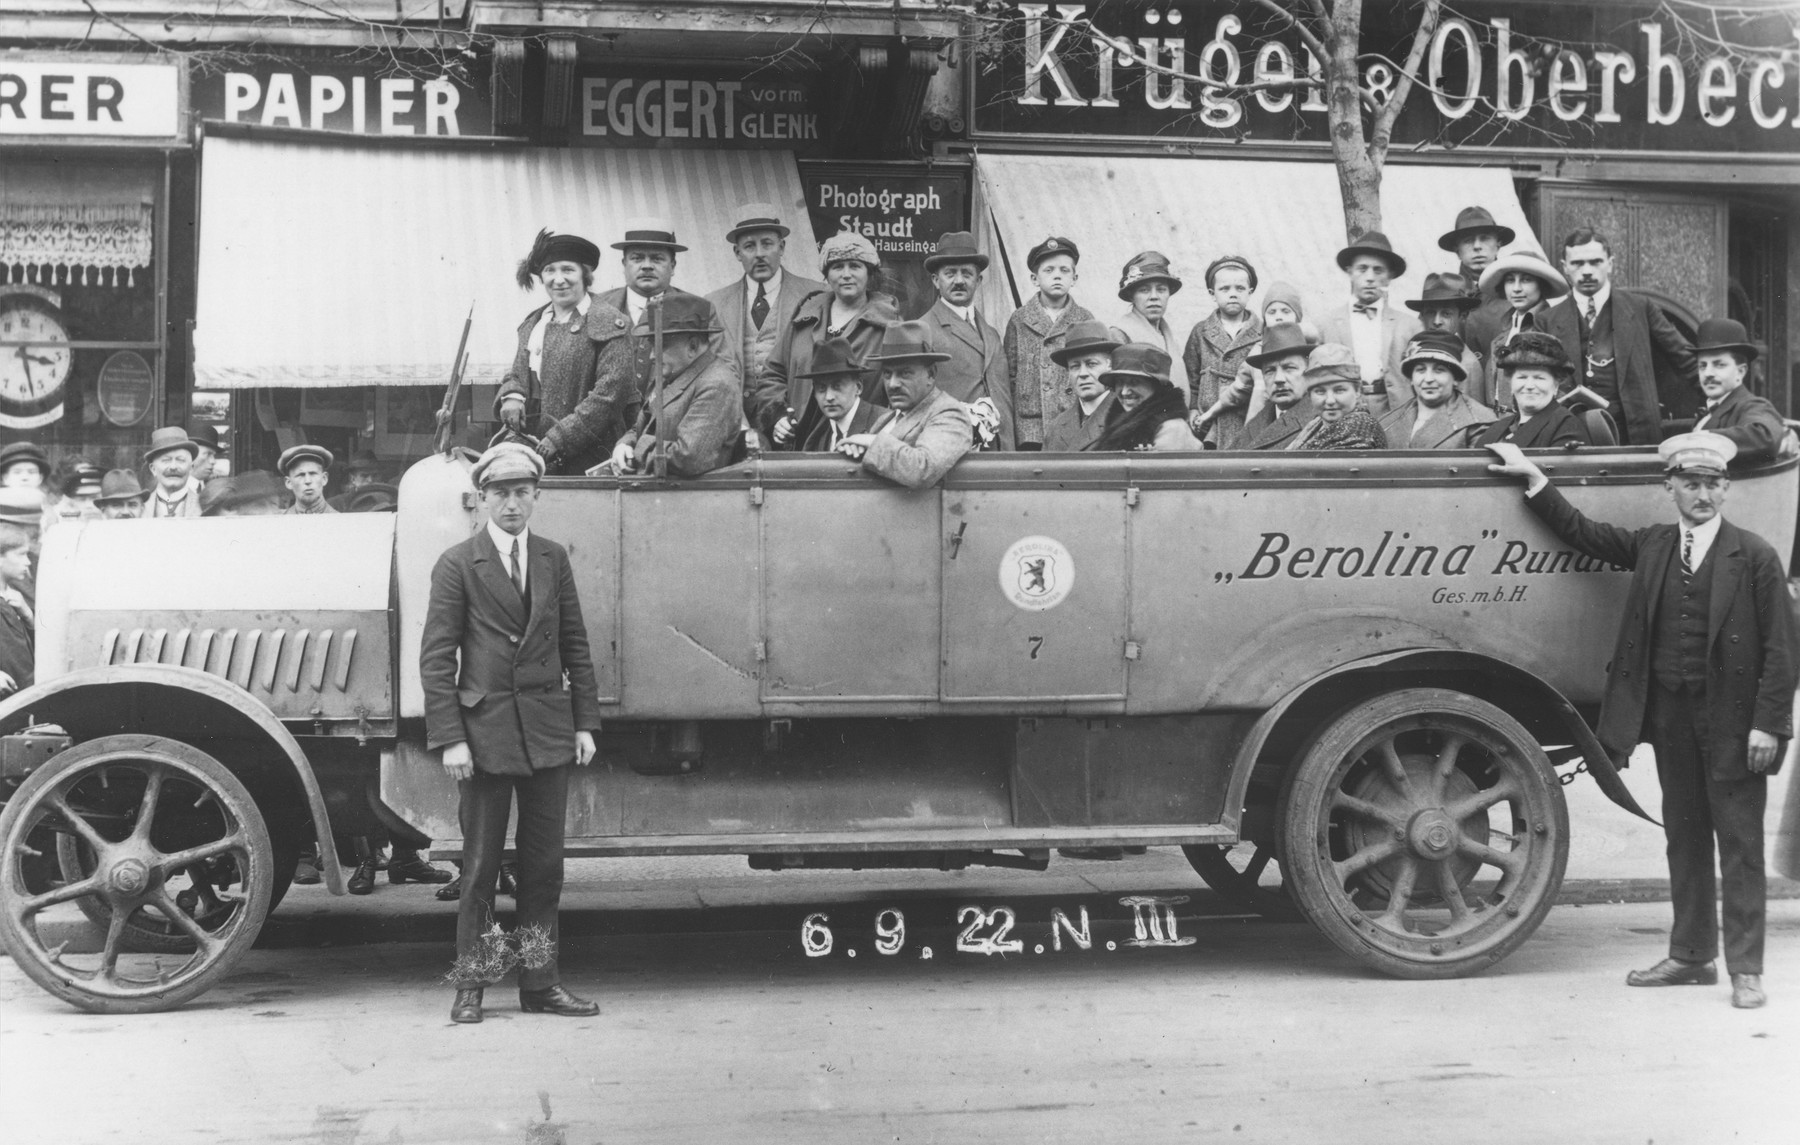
(1210, 863)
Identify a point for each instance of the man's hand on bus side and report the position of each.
(458, 763)
(1514, 463)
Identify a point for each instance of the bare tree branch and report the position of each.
(1382, 130)
(1307, 35)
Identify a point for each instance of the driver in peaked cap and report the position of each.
(1704, 670)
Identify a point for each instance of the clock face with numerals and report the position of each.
(34, 362)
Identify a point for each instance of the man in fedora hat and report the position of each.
(1282, 358)
(754, 308)
(702, 415)
(1375, 332)
(1038, 384)
(1443, 307)
(1439, 414)
(170, 460)
(121, 498)
(252, 494)
(1751, 422)
(975, 364)
(926, 431)
(211, 444)
(305, 470)
(1624, 346)
(571, 382)
(1476, 240)
(23, 463)
(1086, 353)
(1703, 668)
(836, 376)
(503, 630)
(647, 253)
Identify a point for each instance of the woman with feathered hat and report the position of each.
(571, 380)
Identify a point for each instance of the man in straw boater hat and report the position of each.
(502, 629)
(1704, 670)
(926, 431)
(647, 253)
(837, 381)
(1476, 240)
(170, 460)
(757, 306)
(1439, 414)
(702, 416)
(571, 379)
(1374, 330)
(1752, 423)
(1086, 353)
(974, 365)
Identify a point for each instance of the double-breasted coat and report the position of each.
(977, 365)
(1213, 358)
(578, 398)
(513, 683)
(1041, 389)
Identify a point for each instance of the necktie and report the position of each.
(1588, 310)
(1687, 551)
(759, 309)
(518, 571)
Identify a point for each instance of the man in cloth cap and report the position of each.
(974, 367)
(702, 415)
(502, 630)
(926, 431)
(647, 253)
(1086, 353)
(1376, 332)
(121, 498)
(305, 470)
(571, 383)
(1282, 359)
(1040, 387)
(1703, 669)
(1443, 307)
(170, 460)
(1476, 240)
(1751, 422)
(754, 308)
(1439, 414)
(837, 383)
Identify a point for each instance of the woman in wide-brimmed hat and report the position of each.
(1148, 284)
(1333, 383)
(1148, 411)
(1529, 284)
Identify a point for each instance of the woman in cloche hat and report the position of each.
(1148, 411)
(1148, 284)
(1333, 382)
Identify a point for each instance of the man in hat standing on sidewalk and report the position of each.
(1752, 423)
(305, 470)
(1376, 332)
(975, 364)
(755, 308)
(121, 497)
(1704, 670)
(702, 415)
(926, 431)
(1038, 384)
(1476, 241)
(502, 630)
(170, 460)
(1443, 307)
(1086, 353)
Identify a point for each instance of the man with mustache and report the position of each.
(975, 364)
(926, 431)
(756, 307)
(647, 254)
(1282, 360)
(1752, 423)
(1703, 669)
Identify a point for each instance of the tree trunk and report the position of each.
(1359, 176)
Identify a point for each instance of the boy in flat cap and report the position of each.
(1041, 390)
(1704, 670)
(502, 630)
(1217, 349)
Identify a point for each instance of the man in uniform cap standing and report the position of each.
(1752, 423)
(305, 469)
(502, 629)
(170, 459)
(974, 366)
(1038, 383)
(1476, 240)
(1376, 332)
(1704, 669)
(755, 308)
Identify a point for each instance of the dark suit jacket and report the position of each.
(1751, 422)
(703, 419)
(862, 420)
(506, 698)
(643, 345)
(1273, 429)
(1654, 363)
(1069, 432)
(977, 365)
(1550, 427)
(1749, 632)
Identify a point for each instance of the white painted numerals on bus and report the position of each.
(815, 936)
(999, 921)
(890, 931)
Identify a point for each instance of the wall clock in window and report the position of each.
(34, 360)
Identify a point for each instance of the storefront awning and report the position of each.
(331, 265)
(1286, 217)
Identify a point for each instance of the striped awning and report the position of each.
(1285, 216)
(323, 264)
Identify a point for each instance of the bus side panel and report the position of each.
(586, 522)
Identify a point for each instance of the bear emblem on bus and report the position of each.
(1037, 573)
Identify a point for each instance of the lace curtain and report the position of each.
(74, 245)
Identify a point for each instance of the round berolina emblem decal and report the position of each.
(1037, 573)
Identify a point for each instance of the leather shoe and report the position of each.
(1675, 972)
(467, 1007)
(450, 891)
(363, 881)
(1747, 992)
(306, 872)
(556, 1000)
(508, 883)
(410, 868)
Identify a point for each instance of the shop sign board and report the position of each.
(901, 208)
(1601, 76)
(126, 387)
(625, 108)
(362, 100)
(58, 97)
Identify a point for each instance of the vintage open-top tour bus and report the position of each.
(1362, 667)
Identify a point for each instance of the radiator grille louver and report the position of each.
(255, 659)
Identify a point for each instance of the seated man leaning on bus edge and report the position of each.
(1282, 360)
(836, 377)
(1732, 411)
(702, 414)
(926, 431)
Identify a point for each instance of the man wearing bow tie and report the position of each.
(1376, 332)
